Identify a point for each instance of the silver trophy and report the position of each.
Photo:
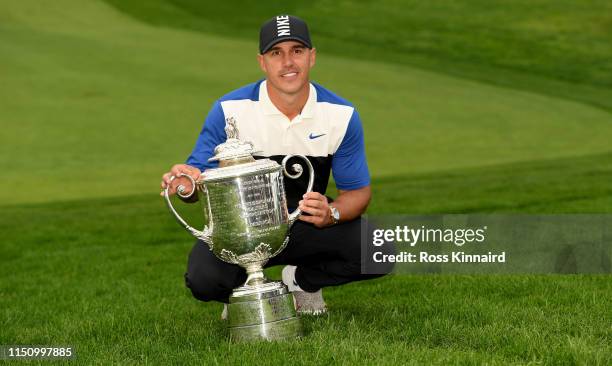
(248, 223)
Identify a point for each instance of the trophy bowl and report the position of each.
(247, 222)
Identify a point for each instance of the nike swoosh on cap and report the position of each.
(312, 137)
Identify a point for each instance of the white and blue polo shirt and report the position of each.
(328, 132)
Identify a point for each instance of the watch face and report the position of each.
(335, 213)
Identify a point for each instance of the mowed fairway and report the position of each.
(95, 105)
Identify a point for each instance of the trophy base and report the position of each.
(263, 312)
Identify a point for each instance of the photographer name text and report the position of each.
(454, 257)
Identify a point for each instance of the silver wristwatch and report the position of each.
(335, 215)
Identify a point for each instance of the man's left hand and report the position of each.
(315, 204)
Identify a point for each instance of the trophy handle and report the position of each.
(206, 234)
(298, 172)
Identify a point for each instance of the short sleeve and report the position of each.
(349, 165)
(213, 134)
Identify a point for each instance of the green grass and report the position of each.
(558, 48)
(564, 40)
(106, 276)
(123, 102)
(467, 107)
(564, 185)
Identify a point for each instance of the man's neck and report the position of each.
(289, 104)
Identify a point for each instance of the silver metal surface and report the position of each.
(239, 170)
(245, 208)
(250, 293)
(274, 331)
(298, 169)
(180, 190)
(266, 310)
(233, 149)
(204, 235)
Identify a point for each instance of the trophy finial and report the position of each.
(230, 128)
(233, 150)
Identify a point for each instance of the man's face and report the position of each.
(287, 66)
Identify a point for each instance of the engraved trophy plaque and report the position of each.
(245, 205)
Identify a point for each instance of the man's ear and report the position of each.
(313, 56)
(262, 64)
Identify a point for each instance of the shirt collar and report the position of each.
(270, 109)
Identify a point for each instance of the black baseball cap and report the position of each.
(283, 28)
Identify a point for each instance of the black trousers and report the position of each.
(324, 257)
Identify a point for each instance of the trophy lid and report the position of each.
(235, 157)
(239, 170)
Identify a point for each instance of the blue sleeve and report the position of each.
(349, 165)
(213, 133)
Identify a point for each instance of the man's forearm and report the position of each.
(352, 204)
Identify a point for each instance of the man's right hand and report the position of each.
(175, 171)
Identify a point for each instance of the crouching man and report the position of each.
(285, 114)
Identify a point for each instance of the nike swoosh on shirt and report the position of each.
(312, 137)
